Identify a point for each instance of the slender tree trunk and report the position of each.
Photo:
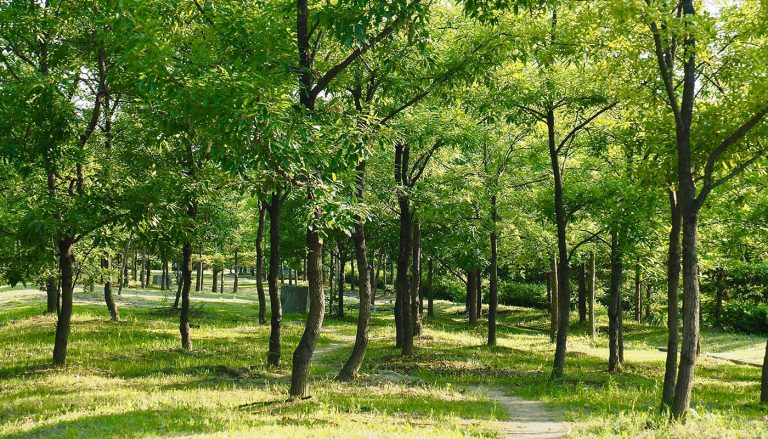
(416, 305)
(331, 277)
(479, 295)
(124, 268)
(591, 293)
(260, 265)
(65, 314)
(51, 293)
(673, 284)
(142, 271)
(342, 268)
(275, 270)
(430, 291)
(221, 283)
(563, 290)
(638, 295)
(108, 299)
(582, 293)
(472, 295)
(553, 308)
(352, 274)
(302, 356)
(764, 379)
(180, 282)
(237, 274)
(352, 366)
(392, 273)
(614, 307)
(403, 287)
(493, 294)
(186, 286)
(167, 275)
(215, 283)
(134, 272)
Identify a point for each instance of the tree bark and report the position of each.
(472, 296)
(352, 366)
(114, 314)
(553, 308)
(430, 291)
(493, 294)
(237, 274)
(614, 307)
(331, 276)
(591, 293)
(302, 356)
(260, 265)
(403, 301)
(51, 293)
(563, 290)
(673, 284)
(479, 293)
(65, 314)
(186, 282)
(582, 293)
(340, 299)
(275, 265)
(416, 306)
(638, 295)
(215, 283)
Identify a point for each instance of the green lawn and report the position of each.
(131, 378)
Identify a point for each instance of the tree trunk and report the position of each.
(180, 282)
(764, 379)
(142, 268)
(591, 293)
(553, 298)
(134, 272)
(221, 282)
(108, 299)
(493, 294)
(403, 290)
(582, 293)
(647, 301)
(275, 266)
(352, 274)
(302, 356)
(471, 296)
(638, 295)
(237, 274)
(352, 366)
(340, 300)
(673, 284)
(719, 293)
(479, 293)
(51, 293)
(215, 284)
(260, 265)
(614, 307)
(416, 305)
(331, 277)
(65, 314)
(186, 282)
(430, 291)
(167, 275)
(563, 290)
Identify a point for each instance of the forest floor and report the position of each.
(132, 379)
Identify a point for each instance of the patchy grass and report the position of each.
(132, 379)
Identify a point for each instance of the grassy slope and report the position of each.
(132, 377)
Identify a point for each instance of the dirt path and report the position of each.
(529, 419)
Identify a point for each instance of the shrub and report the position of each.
(746, 316)
(523, 294)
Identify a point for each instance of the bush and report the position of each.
(746, 316)
(450, 289)
(523, 294)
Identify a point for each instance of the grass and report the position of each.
(131, 378)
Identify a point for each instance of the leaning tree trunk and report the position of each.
(186, 286)
(614, 307)
(352, 366)
(65, 313)
(591, 294)
(673, 283)
(275, 265)
(108, 299)
(260, 266)
(416, 279)
(52, 294)
(302, 356)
